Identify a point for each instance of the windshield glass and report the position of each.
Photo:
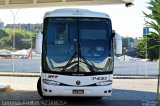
(77, 45)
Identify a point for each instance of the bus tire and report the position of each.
(39, 88)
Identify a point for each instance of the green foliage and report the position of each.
(22, 39)
(152, 47)
(154, 22)
(154, 6)
(141, 50)
(2, 33)
(154, 17)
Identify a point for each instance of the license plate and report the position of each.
(78, 91)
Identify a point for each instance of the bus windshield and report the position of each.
(77, 45)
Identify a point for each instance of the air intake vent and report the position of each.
(21, 1)
(77, 0)
(48, 1)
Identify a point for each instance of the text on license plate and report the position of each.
(78, 92)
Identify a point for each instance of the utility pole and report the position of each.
(146, 32)
(14, 21)
(146, 53)
(31, 47)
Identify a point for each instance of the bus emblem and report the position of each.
(78, 82)
(52, 76)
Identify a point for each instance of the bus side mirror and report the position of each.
(118, 41)
(39, 38)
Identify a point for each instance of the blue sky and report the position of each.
(126, 21)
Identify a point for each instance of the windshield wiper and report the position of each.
(79, 55)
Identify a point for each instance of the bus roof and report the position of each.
(72, 12)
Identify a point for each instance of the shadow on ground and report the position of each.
(119, 98)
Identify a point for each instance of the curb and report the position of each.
(19, 75)
(6, 88)
(135, 77)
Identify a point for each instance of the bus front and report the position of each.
(77, 57)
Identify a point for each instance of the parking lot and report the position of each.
(126, 92)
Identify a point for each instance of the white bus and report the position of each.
(77, 54)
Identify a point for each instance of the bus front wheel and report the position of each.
(39, 88)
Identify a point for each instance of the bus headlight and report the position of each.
(50, 82)
(104, 83)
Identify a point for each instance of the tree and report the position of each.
(23, 39)
(152, 51)
(152, 42)
(154, 16)
(2, 33)
(140, 46)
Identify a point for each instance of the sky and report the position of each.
(126, 21)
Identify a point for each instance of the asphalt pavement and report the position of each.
(126, 92)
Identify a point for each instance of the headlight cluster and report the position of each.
(104, 83)
(50, 82)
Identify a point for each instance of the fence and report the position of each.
(121, 67)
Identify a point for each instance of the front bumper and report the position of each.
(90, 91)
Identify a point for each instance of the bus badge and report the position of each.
(78, 82)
